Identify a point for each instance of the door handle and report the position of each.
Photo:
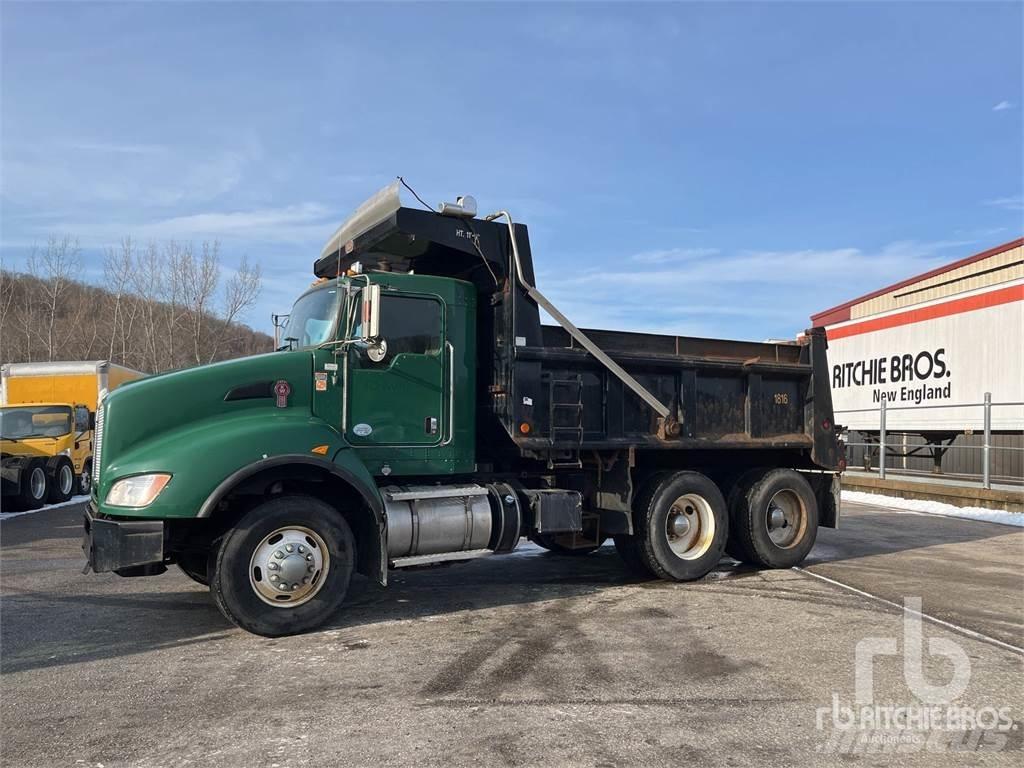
(430, 425)
(451, 393)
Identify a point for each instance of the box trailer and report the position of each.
(418, 413)
(933, 348)
(46, 427)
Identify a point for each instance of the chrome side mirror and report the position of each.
(371, 312)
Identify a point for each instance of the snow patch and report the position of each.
(68, 503)
(936, 508)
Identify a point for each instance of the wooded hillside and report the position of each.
(158, 306)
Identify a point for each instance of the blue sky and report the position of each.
(707, 169)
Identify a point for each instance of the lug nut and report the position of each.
(310, 569)
(273, 566)
(301, 549)
(279, 554)
(289, 547)
(273, 577)
(309, 557)
(305, 579)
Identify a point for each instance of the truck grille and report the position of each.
(97, 447)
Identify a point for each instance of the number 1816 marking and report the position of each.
(782, 398)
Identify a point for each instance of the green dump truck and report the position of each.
(418, 412)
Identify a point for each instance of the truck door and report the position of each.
(82, 446)
(396, 394)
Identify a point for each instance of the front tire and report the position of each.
(682, 525)
(285, 568)
(85, 480)
(775, 519)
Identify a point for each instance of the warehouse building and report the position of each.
(931, 349)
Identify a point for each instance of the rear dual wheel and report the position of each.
(285, 568)
(62, 479)
(773, 518)
(680, 528)
(33, 486)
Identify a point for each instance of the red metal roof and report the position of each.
(841, 313)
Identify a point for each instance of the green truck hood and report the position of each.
(203, 424)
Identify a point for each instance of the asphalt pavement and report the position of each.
(525, 659)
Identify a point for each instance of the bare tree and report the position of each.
(162, 306)
(56, 266)
(118, 272)
(240, 292)
(6, 305)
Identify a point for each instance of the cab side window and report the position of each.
(81, 418)
(411, 325)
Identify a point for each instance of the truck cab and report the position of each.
(43, 450)
(404, 397)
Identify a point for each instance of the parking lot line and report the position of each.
(934, 619)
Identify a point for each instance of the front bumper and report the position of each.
(127, 547)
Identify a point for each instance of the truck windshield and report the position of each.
(313, 318)
(18, 422)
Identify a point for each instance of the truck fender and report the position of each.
(362, 485)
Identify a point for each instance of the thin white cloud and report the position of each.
(768, 293)
(672, 255)
(1012, 203)
(70, 174)
(307, 223)
(1002, 105)
(118, 149)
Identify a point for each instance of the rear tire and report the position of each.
(34, 485)
(682, 525)
(62, 479)
(738, 492)
(285, 567)
(775, 519)
(628, 550)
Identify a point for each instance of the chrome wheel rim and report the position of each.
(66, 479)
(37, 483)
(690, 527)
(786, 519)
(85, 482)
(289, 566)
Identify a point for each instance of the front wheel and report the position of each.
(85, 480)
(285, 568)
(681, 526)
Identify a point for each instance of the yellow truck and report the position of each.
(47, 417)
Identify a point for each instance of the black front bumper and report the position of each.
(127, 547)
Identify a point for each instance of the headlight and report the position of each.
(138, 491)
